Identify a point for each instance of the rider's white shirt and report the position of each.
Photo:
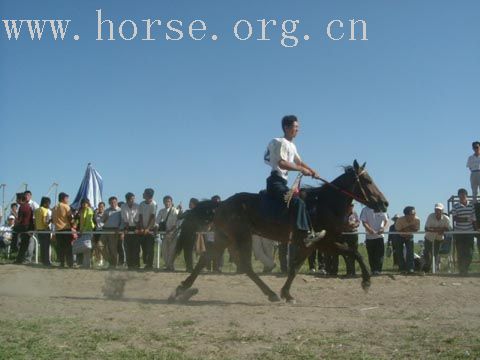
(280, 149)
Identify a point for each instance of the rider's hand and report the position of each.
(306, 172)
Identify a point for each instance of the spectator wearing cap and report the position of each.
(464, 222)
(473, 163)
(435, 227)
(6, 233)
(146, 227)
(407, 224)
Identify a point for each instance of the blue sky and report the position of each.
(192, 118)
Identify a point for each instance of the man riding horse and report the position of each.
(240, 216)
(282, 156)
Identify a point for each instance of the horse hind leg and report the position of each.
(244, 247)
(295, 261)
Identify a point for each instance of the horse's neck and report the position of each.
(332, 202)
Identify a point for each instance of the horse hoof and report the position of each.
(181, 295)
(186, 294)
(172, 298)
(273, 298)
(366, 285)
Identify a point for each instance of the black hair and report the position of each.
(194, 201)
(27, 192)
(149, 192)
(13, 204)
(128, 196)
(462, 191)
(167, 197)
(287, 121)
(216, 198)
(101, 203)
(62, 196)
(112, 198)
(85, 201)
(408, 210)
(45, 202)
(475, 143)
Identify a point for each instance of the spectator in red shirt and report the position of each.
(23, 225)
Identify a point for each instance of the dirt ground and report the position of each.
(54, 313)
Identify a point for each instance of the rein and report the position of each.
(346, 192)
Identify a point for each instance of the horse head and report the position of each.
(365, 189)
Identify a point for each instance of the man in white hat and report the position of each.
(6, 232)
(435, 227)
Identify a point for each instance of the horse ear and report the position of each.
(355, 164)
(364, 164)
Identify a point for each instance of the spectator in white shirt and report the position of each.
(473, 163)
(130, 214)
(166, 221)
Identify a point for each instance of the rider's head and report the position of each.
(290, 126)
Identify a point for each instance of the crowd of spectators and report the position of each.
(129, 231)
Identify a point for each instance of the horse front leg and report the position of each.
(183, 292)
(342, 249)
(243, 242)
(295, 261)
(365, 272)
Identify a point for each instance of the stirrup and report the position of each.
(313, 237)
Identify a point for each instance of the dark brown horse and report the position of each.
(238, 217)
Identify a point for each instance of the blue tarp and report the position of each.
(91, 188)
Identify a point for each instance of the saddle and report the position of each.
(273, 209)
